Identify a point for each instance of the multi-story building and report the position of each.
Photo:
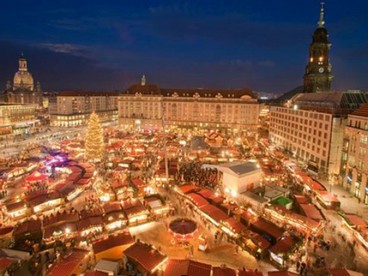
(311, 128)
(146, 105)
(355, 155)
(318, 75)
(23, 90)
(17, 119)
(72, 108)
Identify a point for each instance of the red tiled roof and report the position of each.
(96, 273)
(234, 224)
(89, 222)
(95, 212)
(355, 220)
(5, 263)
(132, 207)
(249, 272)
(15, 206)
(339, 272)
(257, 239)
(208, 194)
(246, 215)
(198, 200)
(361, 111)
(187, 267)
(60, 217)
(67, 265)
(49, 231)
(311, 211)
(282, 273)
(188, 188)
(6, 230)
(119, 184)
(27, 226)
(137, 182)
(150, 89)
(284, 245)
(112, 241)
(145, 256)
(112, 207)
(268, 227)
(214, 212)
(301, 199)
(315, 186)
(223, 271)
(328, 197)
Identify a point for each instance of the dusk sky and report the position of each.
(108, 45)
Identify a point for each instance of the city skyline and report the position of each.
(223, 45)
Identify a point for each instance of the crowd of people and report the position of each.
(195, 172)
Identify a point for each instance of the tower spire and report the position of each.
(143, 80)
(321, 21)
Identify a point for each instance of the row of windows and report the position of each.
(304, 154)
(280, 111)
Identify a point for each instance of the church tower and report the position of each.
(317, 77)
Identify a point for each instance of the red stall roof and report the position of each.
(112, 241)
(198, 200)
(311, 211)
(214, 212)
(67, 265)
(187, 267)
(188, 188)
(223, 271)
(145, 256)
(234, 224)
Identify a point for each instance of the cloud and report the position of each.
(65, 48)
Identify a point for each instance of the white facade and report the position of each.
(239, 177)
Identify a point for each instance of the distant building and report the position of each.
(17, 119)
(23, 90)
(145, 105)
(355, 154)
(310, 127)
(72, 108)
(318, 75)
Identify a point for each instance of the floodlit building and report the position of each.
(23, 90)
(355, 157)
(318, 75)
(17, 119)
(310, 127)
(72, 108)
(145, 105)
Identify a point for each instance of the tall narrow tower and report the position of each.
(317, 77)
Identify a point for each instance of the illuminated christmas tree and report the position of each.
(94, 144)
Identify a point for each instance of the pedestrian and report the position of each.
(297, 266)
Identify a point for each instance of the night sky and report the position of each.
(108, 45)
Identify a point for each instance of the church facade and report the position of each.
(23, 90)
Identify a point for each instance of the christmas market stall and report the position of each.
(144, 259)
(114, 216)
(135, 211)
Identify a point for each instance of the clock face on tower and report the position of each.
(321, 70)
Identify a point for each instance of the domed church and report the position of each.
(23, 90)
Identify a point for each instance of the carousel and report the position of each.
(183, 230)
